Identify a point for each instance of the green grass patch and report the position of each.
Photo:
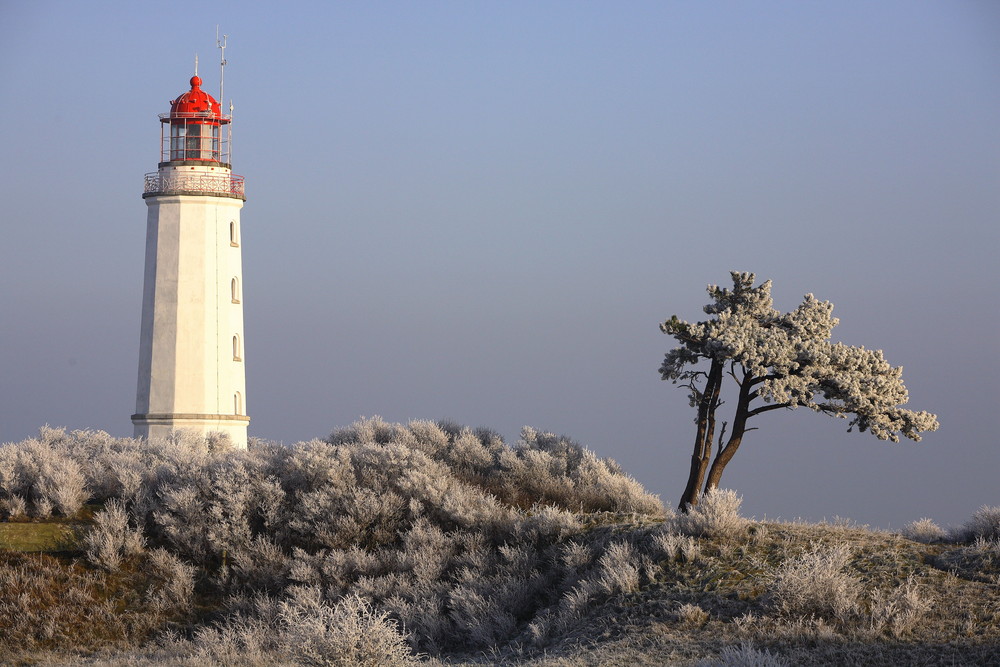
(49, 536)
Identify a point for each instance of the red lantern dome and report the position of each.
(195, 100)
(195, 122)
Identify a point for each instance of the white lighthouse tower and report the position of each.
(191, 359)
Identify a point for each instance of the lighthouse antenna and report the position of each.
(221, 45)
(196, 64)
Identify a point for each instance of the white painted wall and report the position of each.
(188, 376)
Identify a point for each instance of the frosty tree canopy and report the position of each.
(778, 360)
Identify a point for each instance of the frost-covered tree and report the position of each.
(777, 361)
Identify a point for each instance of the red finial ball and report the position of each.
(195, 81)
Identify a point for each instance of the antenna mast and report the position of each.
(221, 45)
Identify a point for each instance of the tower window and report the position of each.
(234, 234)
(238, 403)
(237, 352)
(236, 289)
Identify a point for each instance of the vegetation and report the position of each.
(777, 361)
(429, 543)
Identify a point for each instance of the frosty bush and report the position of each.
(41, 508)
(618, 571)
(549, 523)
(446, 530)
(717, 515)
(542, 468)
(692, 616)
(984, 523)
(62, 483)
(174, 589)
(350, 633)
(815, 585)
(555, 469)
(672, 546)
(112, 538)
(13, 508)
(301, 629)
(743, 655)
(898, 610)
(924, 530)
(42, 473)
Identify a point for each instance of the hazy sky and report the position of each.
(481, 211)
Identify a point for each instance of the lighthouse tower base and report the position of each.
(157, 427)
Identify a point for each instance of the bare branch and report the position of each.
(722, 433)
(767, 408)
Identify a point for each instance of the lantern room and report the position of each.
(195, 131)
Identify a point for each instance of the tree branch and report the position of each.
(764, 378)
(767, 408)
(722, 433)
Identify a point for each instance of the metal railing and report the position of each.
(196, 115)
(197, 183)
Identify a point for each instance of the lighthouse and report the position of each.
(191, 345)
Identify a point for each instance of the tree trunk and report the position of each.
(726, 454)
(703, 439)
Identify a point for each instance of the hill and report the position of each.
(389, 544)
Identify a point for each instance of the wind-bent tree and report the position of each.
(777, 361)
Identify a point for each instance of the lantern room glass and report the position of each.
(194, 141)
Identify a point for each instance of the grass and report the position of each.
(50, 536)
(695, 611)
(668, 593)
(685, 612)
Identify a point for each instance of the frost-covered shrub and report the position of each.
(301, 629)
(365, 494)
(112, 538)
(673, 546)
(716, 515)
(743, 655)
(350, 633)
(486, 604)
(924, 530)
(42, 473)
(898, 610)
(211, 507)
(984, 523)
(618, 569)
(574, 604)
(13, 508)
(542, 468)
(41, 508)
(174, 589)
(480, 616)
(555, 469)
(692, 616)
(62, 483)
(549, 524)
(462, 539)
(574, 556)
(816, 585)
(261, 566)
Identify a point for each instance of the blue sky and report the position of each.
(482, 211)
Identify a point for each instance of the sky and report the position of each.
(481, 212)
